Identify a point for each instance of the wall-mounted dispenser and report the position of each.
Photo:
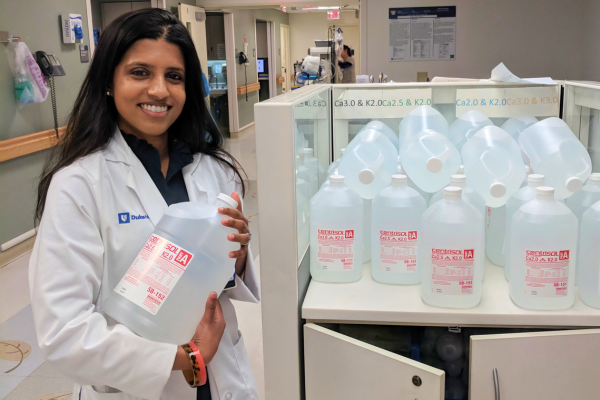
(72, 28)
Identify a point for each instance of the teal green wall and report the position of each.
(38, 25)
(243, 23)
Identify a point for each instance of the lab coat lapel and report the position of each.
(138, 179)
(195, 182)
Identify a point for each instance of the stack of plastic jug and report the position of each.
(515, 125)
(302, 213)
(452, 252)
(385, 130)
(395, 229)
(411, 184)
(493, 165)
(468, 194)
(185, 258)
(419, 119)
(588, 258)
(467, 125)
(306, 174)
(336, 233)
(429, 159)
(555, 152)
(369, 163)
(543, 243)
(522, 197)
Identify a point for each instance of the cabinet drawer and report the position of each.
(340, 367)
(539, 365)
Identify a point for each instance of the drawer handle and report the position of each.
(496, 384)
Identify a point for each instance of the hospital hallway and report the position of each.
(25, 374)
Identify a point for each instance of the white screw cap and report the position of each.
(497, 189)
(434, 165)
(528, 169)
(574, 184)
(544, 193)
(595, 177)
(399, 180)
(366, 176)
(452, 193)
(308, 151)
(231, 202)
(458, 178)
(336, 180)
(536, 178)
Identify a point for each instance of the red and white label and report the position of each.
(546, 273)
(398, 251)
(336, 249)
(154, 273)
(452, 271)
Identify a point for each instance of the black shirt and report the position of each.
(172, 187)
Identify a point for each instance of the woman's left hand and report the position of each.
(237, 221)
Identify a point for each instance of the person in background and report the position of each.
(347, 65)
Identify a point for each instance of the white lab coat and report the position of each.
(81, 253)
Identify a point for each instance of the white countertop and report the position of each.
(370, 302)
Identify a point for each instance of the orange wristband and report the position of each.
(198, 373)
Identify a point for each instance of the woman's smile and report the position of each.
(154, 110)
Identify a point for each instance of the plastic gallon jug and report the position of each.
(419, 119)
(543, 242)
(313, 165)
(411, 184)
(493, 165)
(369, 163)
(468, 194)
(588, 259)
(555, 152)
(452, 252)
(429, 158)
(333, 167)
(494, 234)
(396, 225)
(586, 197)
(515, 125)
(302, 214)
(386, 130)
(163, 294)
(522, 197)
(467, 125)
(449, 346)
(336, 233)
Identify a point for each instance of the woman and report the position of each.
(139, 139)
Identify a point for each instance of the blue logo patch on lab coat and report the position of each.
(124, 218)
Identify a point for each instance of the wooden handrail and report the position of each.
(248, 88)
(20, 146)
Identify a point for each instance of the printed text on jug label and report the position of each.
(452, 271)
(154, 273)
(336, 249)
(398, 251)
(546, 273)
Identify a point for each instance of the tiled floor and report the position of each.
(46, 382)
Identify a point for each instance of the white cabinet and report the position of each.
(540, 365)
(546, 355)
(340, 367)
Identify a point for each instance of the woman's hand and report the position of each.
(207, 336)
(237, 221)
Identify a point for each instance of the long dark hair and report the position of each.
(94, 117)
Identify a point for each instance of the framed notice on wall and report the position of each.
(422, 33)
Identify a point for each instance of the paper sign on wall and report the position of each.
(509, 102)
(385, 103)
(422, 33)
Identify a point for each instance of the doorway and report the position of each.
(285, 57)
